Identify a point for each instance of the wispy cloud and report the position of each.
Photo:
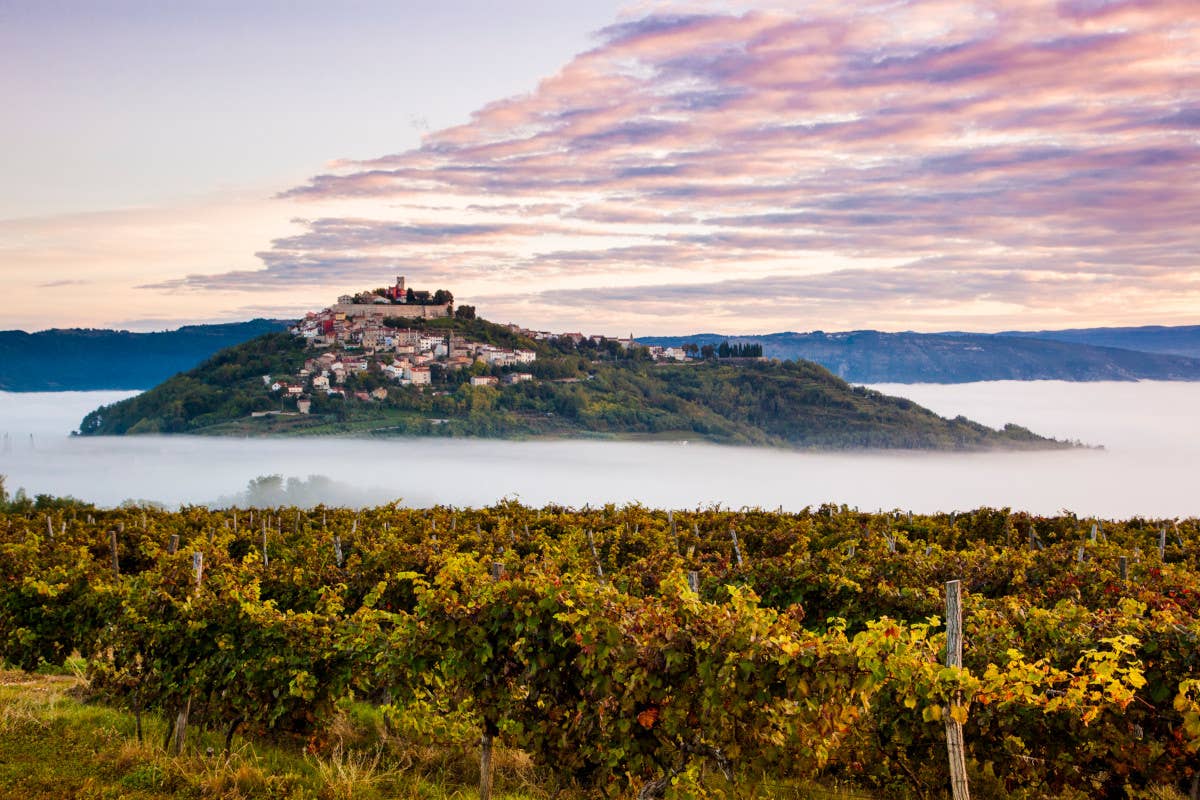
(835, 160)
(62, 283)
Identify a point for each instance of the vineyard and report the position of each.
(637, 652)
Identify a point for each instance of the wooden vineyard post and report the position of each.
(112, 544)
(173, 544)
(337, 549)
(1035, 541)
(1162, 543)
(1123, 566)
(266, 561)
(177, 730)
(737, 549)
(595, 555)
(693, 579)
(49, 526)
(954, 733)
(674, 531)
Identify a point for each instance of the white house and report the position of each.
(418, 376)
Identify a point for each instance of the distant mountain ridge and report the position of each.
(1182, 340)
(81, 359)
(1077, 355)
(86, 359)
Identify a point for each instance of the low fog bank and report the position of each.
(1152, 441)
(273, 491)
(48, 415)
(1124, 416)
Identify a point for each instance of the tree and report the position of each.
(707, 351)
(464, 312)
(442, 296)
(690, 349)
(410, 295)
(723, 350)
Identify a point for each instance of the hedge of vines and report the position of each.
(630, 649)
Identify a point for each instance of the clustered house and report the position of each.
(378, 331)
(366, 331)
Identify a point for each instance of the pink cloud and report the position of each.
(1057, 139)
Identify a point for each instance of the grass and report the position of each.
(54, 745)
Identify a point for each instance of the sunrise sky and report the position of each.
(603, 166)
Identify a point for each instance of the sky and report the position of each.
(612, 167)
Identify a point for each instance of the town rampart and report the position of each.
(355, 310)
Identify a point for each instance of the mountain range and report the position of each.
(1094, 354)
(86, 359)
(83, 359)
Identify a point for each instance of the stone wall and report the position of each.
(352, 310)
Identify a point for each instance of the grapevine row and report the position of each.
(634, 647)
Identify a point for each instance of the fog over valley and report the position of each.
(1143, 468)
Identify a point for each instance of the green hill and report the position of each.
(576, 390)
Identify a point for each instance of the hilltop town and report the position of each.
(383, 333)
